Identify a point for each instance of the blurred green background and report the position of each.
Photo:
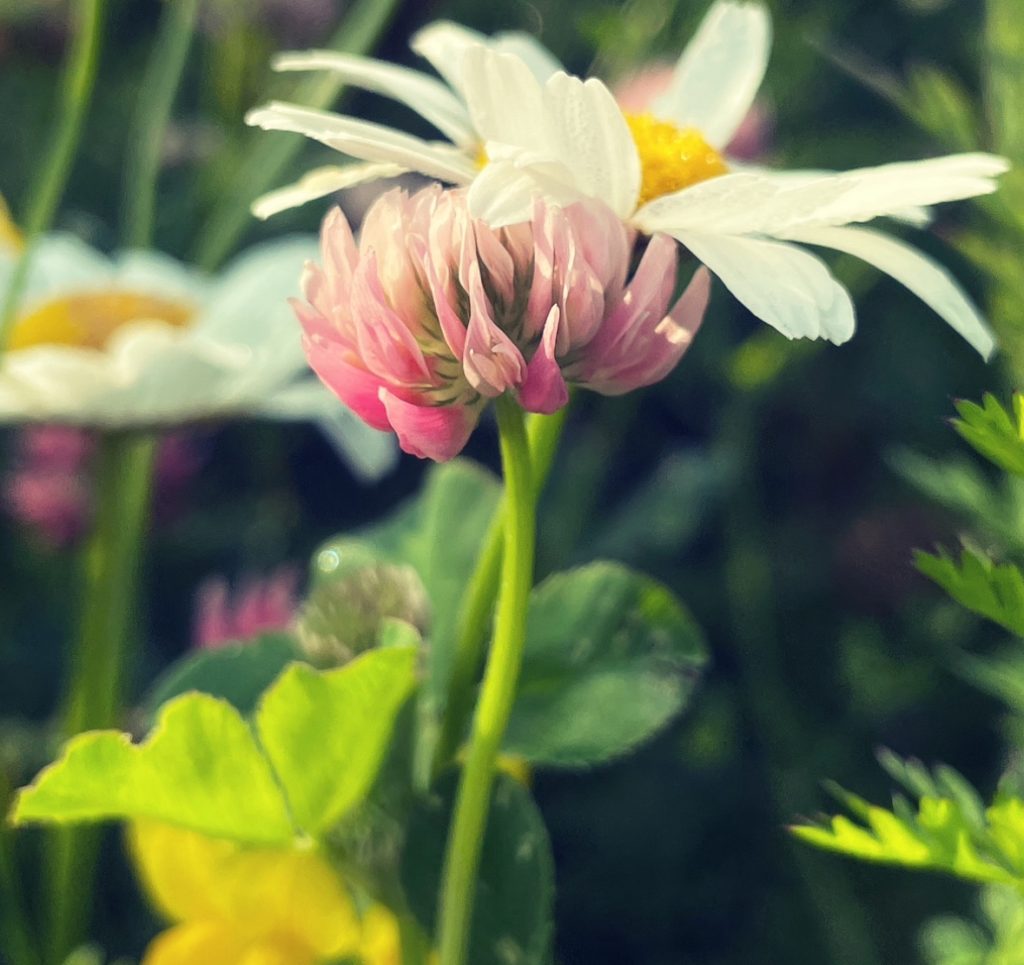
(766, 481)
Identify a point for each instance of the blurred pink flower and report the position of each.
(49, 489)
(432, 314)
(636, 93)
(257, 606)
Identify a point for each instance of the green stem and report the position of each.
(474, 628)
(79, 79)
(14, 920)
(265, 164)
(157, 91)
(112, 562)
(497, 694)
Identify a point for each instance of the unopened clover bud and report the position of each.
(343, 618)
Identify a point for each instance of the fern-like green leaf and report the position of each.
(993, 590)
(995, 433)
(948, 830)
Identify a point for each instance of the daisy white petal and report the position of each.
(320, 182)
(430, 98)
(791, 290)
(720, 71)
(910, 267)
(506, 102)
(366, 140)
(594, 141)
(530, 51)
(442, 44)
(504, 192)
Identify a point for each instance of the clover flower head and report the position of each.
(433, 313)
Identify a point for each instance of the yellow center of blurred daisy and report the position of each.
(671, 158)
(89, 319)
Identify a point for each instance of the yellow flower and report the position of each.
(238, 905)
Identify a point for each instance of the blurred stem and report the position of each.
(113, 557)
(844, 928)
(15, 929)
(543, 433)
(469, 822)
(1004, 76)
(157, 91)
(79, 78)
(269, 156)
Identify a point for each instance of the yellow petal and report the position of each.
(215, 943)
(10, 236)
(382, 943)
(197, 943)
(261, 892)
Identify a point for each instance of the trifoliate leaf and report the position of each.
(323, 738)
(611, 656)
(327, 733)
(200, 769)
(994, 432)
(993, 590)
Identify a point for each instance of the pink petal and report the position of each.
(657, 346)
(437, 432)
(491, 361)
(356, 387)
(545, 390)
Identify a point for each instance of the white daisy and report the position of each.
(519, 126)
(139, 340)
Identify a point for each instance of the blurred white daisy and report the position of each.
(519, 126)
(141, 341)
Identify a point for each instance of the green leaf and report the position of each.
(1004, 76)
(439, 534)
(993, 431)
(995, 591)
(512, 916)
(238, 672)
(949, 830)
(327, 733)
(200, 769)
(611, 656)
(940, 105)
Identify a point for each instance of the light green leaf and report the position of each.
(940, 105)
(237, 672)
(611, 656)
(512, 916)
(993, 590)
(439, 534)
(994, 432)
(1004, 76)
(944, 833)
(200, 769)
(326, 734)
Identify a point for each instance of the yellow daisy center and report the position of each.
(87, 320)
(671, 158)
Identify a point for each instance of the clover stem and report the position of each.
(501, 674)
(78, 81)
(112, 561)
(543, 433)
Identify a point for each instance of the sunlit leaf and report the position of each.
(200, 769)
(327, 733)
(993, 590)
(944, 832)
(994, 432)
